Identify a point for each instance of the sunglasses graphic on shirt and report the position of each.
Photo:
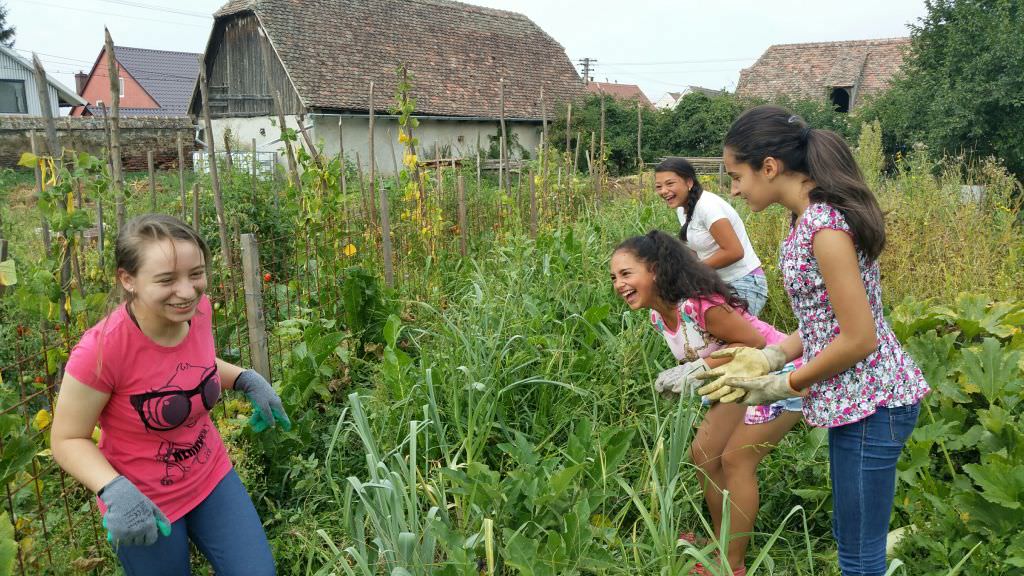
(166, 410)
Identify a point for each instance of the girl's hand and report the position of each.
(131, 518)
(266, 404)
(680, 380)
(746, 362)
(763, 390)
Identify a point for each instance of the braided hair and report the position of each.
(681, 167)
(678, 273)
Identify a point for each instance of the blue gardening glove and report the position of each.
(266, 404)
(131, 518)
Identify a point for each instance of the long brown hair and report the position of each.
(822, 155)
(681, 167)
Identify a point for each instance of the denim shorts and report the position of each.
(754, 289)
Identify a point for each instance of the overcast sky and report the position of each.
(661, 45)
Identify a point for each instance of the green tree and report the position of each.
(960, 90)
(6, 32)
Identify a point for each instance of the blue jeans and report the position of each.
(225, 528)
(754, 289)
(862, 464)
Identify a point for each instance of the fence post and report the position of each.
(463, 233)
(152, 180)
(3, 256)
(101, 229)
(293, 167)
(503, 153)
(259, 350)
(44, 224)
(721, 176)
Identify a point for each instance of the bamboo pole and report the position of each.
(195, 207)
(463, 232)
(533, 207)
(253, 169)
(218, 199)
(117, 178)
(229, 162)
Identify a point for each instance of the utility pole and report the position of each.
(587, 64)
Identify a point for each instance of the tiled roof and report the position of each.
(457, 54)
(808, 70)
(169, 77)
(619, 91)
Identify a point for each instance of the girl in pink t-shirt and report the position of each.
(698, 313)
(148, 373)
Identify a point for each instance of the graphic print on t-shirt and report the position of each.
(173, 411)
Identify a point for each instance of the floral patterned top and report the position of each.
(888, 376)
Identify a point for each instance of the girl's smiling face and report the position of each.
(673, 188)
(633, 280)
(752, 185)
(170, 279)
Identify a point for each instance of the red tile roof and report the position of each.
(809, 70)
(619, 91)
(457, 54)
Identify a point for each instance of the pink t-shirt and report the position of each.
(176, 466)
(691, 340)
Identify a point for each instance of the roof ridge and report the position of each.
(116, 48)
(892, 40)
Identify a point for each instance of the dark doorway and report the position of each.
(840, 98)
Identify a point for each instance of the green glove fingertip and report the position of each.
(258, 422)
(282, 419)
(164, 527)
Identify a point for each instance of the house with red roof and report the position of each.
(619, 91)
(152, 82)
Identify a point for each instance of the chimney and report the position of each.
(80, 80)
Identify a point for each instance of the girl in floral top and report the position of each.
(698, 314)
(856, 379)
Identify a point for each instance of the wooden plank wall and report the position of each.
(241, 83)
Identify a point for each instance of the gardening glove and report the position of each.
(679, 380)
(131, 518)
(747, 362)
(266, 404)
(762, 390)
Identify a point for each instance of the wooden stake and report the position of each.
(152, 180)
(229, 162)
(503, 150)
(101, 230)
(181, 176)
(639, 132)
(463, 232)
(533, 207)
(195, 207)
(218, 200)
(259, 351)
(44, 225)
(293, 168)
(115, 130)
(385, 218)
(253, 167)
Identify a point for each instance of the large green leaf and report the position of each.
(1000, 482)
(993, 370)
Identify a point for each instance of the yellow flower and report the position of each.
(403, 137)
(410, 160)
(349, 250)
(42, 419)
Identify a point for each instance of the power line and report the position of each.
(74, 9)
(158, 8)
(671, 62)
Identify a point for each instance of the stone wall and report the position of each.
(138, 135)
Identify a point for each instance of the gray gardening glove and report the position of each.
(680, 380)
(266, 404)
(131, 518)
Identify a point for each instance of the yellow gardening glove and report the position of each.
(746, 362)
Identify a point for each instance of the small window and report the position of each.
(121, 81)
(12, 97)
(99, 103)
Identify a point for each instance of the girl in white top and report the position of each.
(712, 229)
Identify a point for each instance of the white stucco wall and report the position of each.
(460, 137)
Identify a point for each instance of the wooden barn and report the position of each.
(321, 56)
